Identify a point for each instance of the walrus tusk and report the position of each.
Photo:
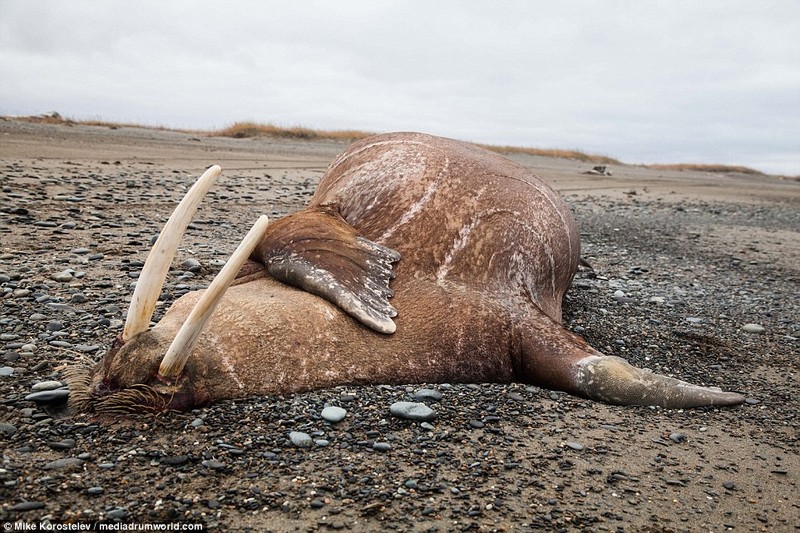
(148, 288)
(181, 347)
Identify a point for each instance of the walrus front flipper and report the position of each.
(318, 251)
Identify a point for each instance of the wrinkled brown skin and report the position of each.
(488, 251)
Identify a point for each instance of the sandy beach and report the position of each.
(683, 261)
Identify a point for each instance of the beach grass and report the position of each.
(250, 129)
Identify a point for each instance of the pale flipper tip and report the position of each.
(613, 380)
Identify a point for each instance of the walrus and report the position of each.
(419, 259)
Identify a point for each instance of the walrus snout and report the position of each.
(126, 380)
(93, 392)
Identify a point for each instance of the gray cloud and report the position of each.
(716, 81)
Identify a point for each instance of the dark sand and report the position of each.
(697, 256)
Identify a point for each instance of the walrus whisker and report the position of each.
(181, 347)
(148, 288)
(78, 378)
(134, 399)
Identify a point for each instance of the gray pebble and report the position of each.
(175, 460)
(27, 506)
(49, 396)
(729, 485)
(67, 463)
(677, 437)
(7, 429)
(86, 348)
(300, 439)
(46, 385)
(78, 298)
(6, 370)
(191, 265)
(117, 514)
(197, 422)
(95, 491)
(413, 411)
(382, 446)
(62, 277)
(754, 328)
(66, 444)
(60, 344)
(427, 394)
(577, 446)
(213, 464)
(333, 414)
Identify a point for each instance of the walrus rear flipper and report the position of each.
(318, 251)
(557, 358)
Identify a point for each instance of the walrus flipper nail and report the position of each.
(319, 252)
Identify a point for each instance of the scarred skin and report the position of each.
(487, 252)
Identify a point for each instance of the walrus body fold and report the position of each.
(418, 259)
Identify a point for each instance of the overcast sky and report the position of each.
(713, 81)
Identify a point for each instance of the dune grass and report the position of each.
(553, 152)
(240, 130)
(56, 118)
(244, 130)
(721, 169)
